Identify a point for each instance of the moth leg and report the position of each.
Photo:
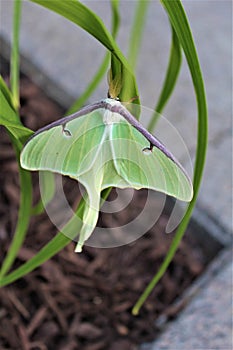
(150, 148)
(65, 131)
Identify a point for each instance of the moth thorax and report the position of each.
(111, 117)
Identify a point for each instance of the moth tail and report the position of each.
(90, 217)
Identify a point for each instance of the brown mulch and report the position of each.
(83, 301)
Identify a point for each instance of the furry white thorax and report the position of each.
(112, 117)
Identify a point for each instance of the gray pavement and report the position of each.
(68, 58)
(206, 323)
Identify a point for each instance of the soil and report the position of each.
(83, 301)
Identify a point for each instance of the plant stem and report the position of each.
(14, 66)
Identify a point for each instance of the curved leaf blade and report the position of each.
(180, 24)
(49, 250)
(103, 67)
(81, 15)
(10, 120)
(14, 70)
(137, 31)
(172, 73)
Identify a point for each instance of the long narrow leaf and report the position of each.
(51, 248)
(23, 215)
(14, 70)
(6, 92)
(17, 132)
(180, 24)
(7, 112)
(10, 120)
(172, 73)
(137, 31)
(82, 16)
(103, 67)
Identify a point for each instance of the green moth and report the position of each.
(103, 145)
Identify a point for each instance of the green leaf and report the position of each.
(14, 70)
(51, 248)
(10, 119)
(172, 73)
(6, 92)
(103, 67)
(25, 201)
(9, 103)
(18, 133)
(116, 75)
(180, 24)
(23, 219)
(136, 31)
(90, 22)
(7, 113)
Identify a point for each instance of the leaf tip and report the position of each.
(135, 311)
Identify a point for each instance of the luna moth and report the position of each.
(104, 145)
